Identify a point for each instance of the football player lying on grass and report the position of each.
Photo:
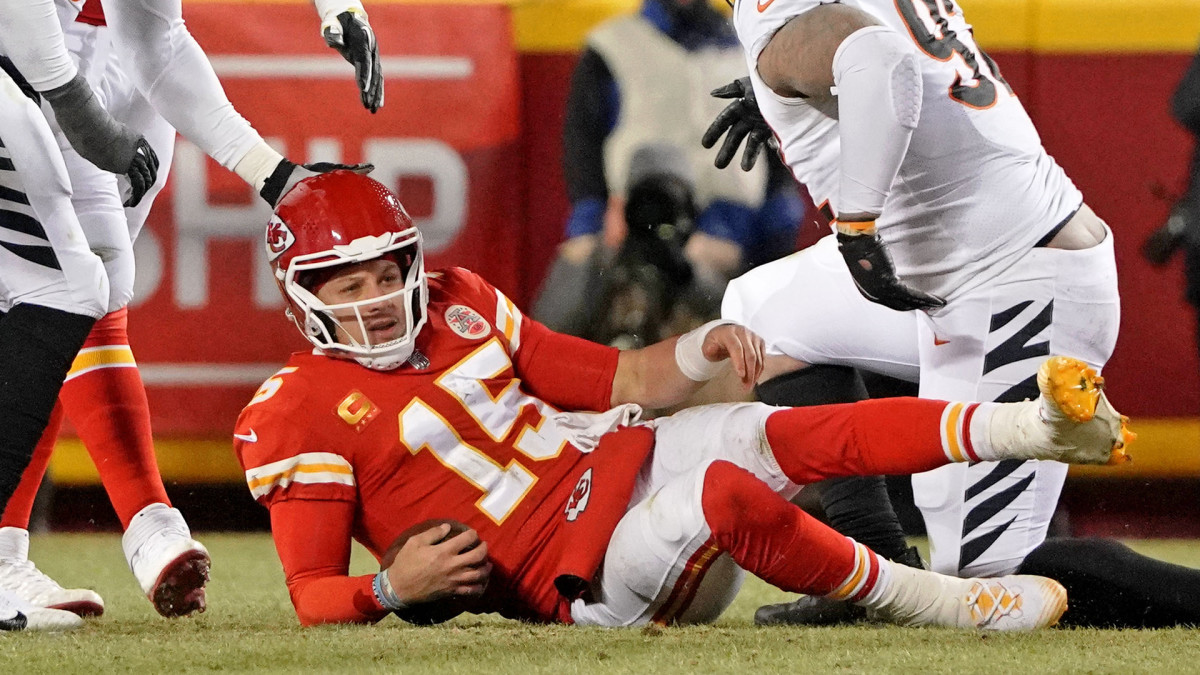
(431, 396)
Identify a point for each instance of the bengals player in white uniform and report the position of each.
(431, 396)
(103, 393)
(942, 200)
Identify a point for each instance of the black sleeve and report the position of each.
(779, 176)
(586, 127)
(1185, 104)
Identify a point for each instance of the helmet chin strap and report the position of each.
(389, 362)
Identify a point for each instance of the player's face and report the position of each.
(384, 320)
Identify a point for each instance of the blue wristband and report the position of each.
(385, 594)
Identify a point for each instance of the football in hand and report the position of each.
(442, 609)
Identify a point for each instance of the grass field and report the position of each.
(250, 627)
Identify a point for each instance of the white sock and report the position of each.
(14, 543)
(965, 431)
(915, 598)
(870, 578)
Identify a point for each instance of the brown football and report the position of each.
(441, 609)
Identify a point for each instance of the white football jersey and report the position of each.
(976, 189)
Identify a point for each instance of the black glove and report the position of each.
(352, 36)
(875, 275)
(288, 173)
(743, 121)
(143, 171)
(102, 140)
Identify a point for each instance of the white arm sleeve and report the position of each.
(879, 91)
(172, 72)
(32, 37)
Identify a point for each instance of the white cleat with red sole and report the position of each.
(170, 566)
(19, 575)
(18, 615)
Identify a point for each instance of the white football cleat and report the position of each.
(1010, 603)
(171, 567)
(19, 575)
(16, 614)
(1072, 421)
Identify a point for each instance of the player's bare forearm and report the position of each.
(655, 377)
(798, 61)
(650, 377)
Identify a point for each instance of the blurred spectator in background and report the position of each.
(1182, 228)
(642, 84)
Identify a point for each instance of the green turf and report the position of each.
(250, 627)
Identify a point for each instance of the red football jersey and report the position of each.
(461, 431)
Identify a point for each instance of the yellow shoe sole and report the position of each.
(1076, 389)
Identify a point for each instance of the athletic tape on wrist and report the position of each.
(256, 166)
(689, 355)
(385, 594)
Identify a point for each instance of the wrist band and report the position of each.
(689, 355)
(854, 227)
(385, 594)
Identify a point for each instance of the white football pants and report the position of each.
(660, 565)
(44, 257)
(982, 519)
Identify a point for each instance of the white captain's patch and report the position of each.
(467, 323)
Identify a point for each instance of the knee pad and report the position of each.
(107, 231)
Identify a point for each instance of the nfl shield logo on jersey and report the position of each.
(578, 501)
(279, 238)
(466, 322)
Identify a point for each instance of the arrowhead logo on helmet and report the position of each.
(279, 238)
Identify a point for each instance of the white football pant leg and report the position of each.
(806, 306)
(983, 519)
(44, 257)
(660, 564)
(110, 228)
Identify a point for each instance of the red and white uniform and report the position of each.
(471, 429)
(467, 433)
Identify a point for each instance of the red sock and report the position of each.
(106, 402)
(20, 505)
(895, 436)
(778, 542)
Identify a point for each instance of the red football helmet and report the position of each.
(336, 219)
